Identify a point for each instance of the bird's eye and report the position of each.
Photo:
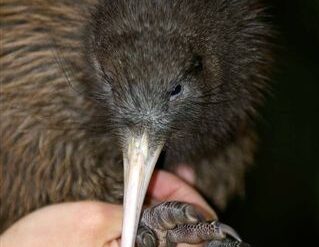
(175, 92)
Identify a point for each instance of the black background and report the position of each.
(281, 206)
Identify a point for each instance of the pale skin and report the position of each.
(93, 224)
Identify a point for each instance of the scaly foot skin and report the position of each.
(226, 243)
(170, 223)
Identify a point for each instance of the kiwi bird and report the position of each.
(89, 87)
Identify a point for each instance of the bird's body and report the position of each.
(65, 143)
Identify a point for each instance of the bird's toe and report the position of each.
(145, 237)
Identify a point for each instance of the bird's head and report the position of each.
(180, 74)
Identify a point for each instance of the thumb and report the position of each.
(85, 224)
(165, 186)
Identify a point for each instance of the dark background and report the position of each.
(281, 206)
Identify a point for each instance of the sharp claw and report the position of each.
(226, 230)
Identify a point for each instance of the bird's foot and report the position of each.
(170, 223)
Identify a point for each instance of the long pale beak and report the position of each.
(139, 162)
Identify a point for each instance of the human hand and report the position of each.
(75, 224)
(92, 224)
(165, 186)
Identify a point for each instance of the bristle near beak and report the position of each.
(139, 162)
